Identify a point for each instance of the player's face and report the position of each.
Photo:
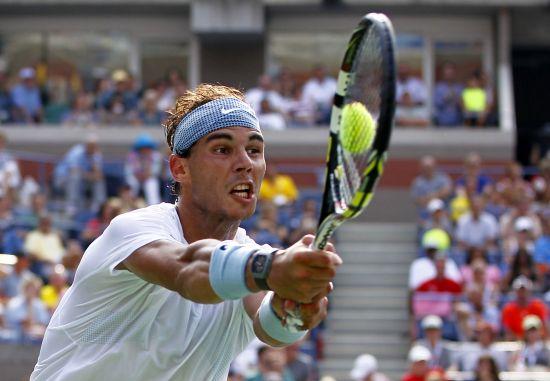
(226, 168)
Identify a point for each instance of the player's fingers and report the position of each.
(318, 258)
(330, 247)
(307, 240)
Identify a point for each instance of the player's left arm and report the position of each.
(312, 314)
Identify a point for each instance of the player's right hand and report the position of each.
(299, 273)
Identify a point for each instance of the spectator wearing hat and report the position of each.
(26, 98)
(432, 326)
(525, 304)
(541, 184)
(143, 168)
(477, 228)
(26, 315)
(533, 353)
(419, 357)
(485, 336)
(430, 183)
(277, 187)
(437, 217)
(423, 269)
(519, 226)
(365, 368)
(80, 173)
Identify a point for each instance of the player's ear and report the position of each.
(179, 167)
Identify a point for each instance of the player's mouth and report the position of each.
(243, 191)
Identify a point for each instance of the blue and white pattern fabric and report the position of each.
(211, 116)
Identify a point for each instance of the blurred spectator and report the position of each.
(474, 102)
(300, 111)
(468, 360)
(71, 258)
(541, 185)
(10, 281)
(123, 91)
(170, 89)
(269, 118)
(26, 315)
(278, 188)
(447, 98)
(126, 199)
(408, 83)
(478, 265)
(26, 98)
(512, 186)
(80, 174)
(52, 293)
(437, 217)
(267, 229)
(44, 246)
(271, 365)
(264, 96)
(477, 228)
(365, 368)
(95, 227)
(541, 253)
(519, 227)
(148, 113)
(440, 355)
(441, 282)
(533, 355)
(476, 309)
(522, 264)
(143, 168)
(411, 114)
(117, 113)
(418, 357)
(6, 101)
(319, 92)
(10, 177)
(27, 218)
(474, 175)
(82, 114)
(301, 365)
(429, 184)
(486, 369)
(423, 269)
(524, 304)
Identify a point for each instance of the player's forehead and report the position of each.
(236, 134)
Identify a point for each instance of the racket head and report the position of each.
(359, 138)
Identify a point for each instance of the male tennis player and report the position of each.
(173, 292)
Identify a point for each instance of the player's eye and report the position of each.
(221, 150)
(254, 150)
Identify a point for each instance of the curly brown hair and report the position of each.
(192, 99)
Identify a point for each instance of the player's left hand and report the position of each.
(311, 314)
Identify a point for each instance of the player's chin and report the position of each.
(243, 207)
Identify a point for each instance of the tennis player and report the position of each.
(175, 292)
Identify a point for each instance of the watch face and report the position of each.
(259, 264)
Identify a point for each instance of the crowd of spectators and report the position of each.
(479, 289)
(285, 100)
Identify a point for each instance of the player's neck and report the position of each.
(197, 224)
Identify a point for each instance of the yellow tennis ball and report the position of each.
(357, 128)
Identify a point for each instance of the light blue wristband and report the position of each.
(273, 326)
(227, 271)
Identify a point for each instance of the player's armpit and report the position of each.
(177, 267)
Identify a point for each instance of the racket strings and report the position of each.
(365, 88)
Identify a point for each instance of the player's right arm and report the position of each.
(297, 273)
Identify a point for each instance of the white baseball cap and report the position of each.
(419, 353)
(523, 223)
(364, 365)
(531, 321)
(435, 204)
(432, 322)
(522, 282)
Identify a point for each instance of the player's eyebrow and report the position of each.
(256, 136)
(218, 135)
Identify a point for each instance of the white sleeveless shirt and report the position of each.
(113, 325)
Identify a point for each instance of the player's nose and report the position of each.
(242, 161)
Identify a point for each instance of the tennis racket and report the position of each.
(360, 129)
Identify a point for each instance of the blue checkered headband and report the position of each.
(211, 116)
